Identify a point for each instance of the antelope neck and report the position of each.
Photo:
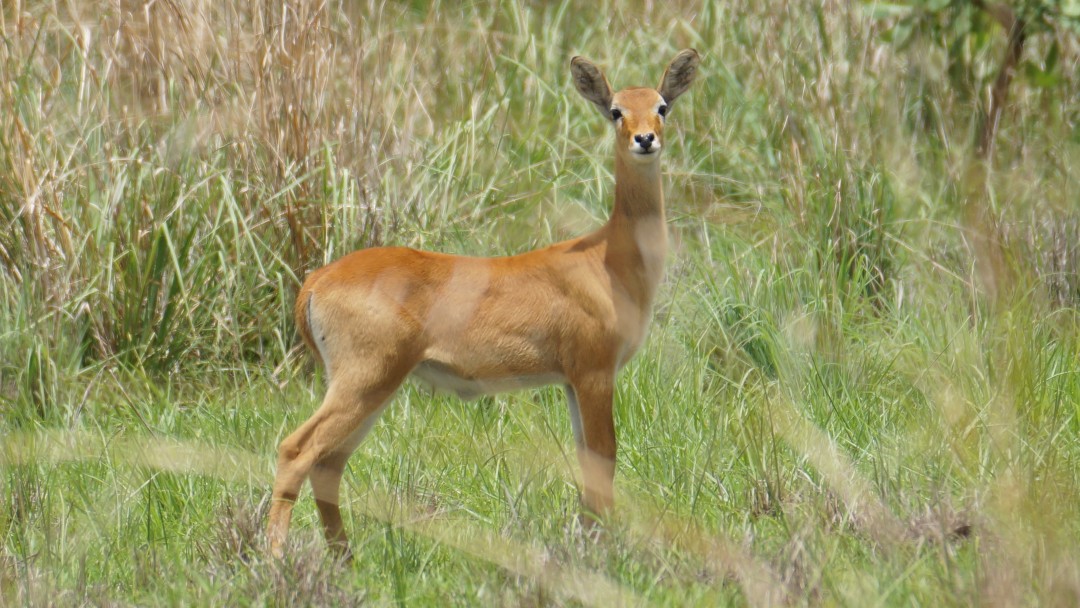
(638, 191)
(636, 233)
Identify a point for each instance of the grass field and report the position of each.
(861, 387)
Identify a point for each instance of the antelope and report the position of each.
(572, 314)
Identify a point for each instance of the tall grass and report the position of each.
(832, 406)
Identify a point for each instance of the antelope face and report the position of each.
(638, 115)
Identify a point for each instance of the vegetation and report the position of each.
(840, 402)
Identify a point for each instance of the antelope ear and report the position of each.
(591, 83)
(678, 75)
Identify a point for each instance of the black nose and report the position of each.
(645, 141)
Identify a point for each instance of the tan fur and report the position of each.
(572, 313)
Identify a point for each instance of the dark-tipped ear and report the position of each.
(590, 82)
(678, 75)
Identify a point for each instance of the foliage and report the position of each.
(968, 29)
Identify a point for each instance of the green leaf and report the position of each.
(1051, 56)
(887, 10)
(1041, 78)
(898, 34)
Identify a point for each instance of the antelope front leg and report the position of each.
(595, 444)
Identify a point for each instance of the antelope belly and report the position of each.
(444, 378)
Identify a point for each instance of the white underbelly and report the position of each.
(444, 379)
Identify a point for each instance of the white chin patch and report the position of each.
(640, 152)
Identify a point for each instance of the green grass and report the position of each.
(840, 401)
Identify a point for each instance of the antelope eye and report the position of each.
(615, 114)
(662, 110)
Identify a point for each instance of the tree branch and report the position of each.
(1001, 12)
(1017, 31)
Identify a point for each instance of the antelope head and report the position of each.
(637, 113)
